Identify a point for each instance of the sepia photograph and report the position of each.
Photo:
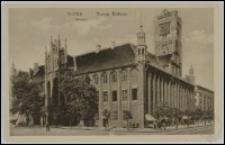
(115, 70)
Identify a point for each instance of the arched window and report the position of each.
(55, 91)
(48, 89)
(133, 76)
(104, 77)
(113, 76)
(143, 51)
(124, 75)
(139, 51)
(95, 78)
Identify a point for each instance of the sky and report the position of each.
(30, 30)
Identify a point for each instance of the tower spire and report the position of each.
(65, 50)
(141, 25)
(141, 47)
(59, 42)
(65, 42)
(191, 69)
(51, 42)
(45, 51)
(65, 45)
(191, 74)
(141, 33)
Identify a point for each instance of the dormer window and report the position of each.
(124, 75)
(95, 77)
(114, 77)
(104, 78)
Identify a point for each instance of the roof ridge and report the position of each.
(204, 87)
(105, 48)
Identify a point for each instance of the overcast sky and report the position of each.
(30, 31)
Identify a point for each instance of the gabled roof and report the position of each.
(40, 73)
(152, 59)
(109, 58)
(118, 56)
(199, 87)
(165, 59)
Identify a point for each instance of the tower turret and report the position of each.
(141, 48)
(65, 50)
(167, 40)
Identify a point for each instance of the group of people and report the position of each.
(45, 123)
(47, 127)
(160, 124)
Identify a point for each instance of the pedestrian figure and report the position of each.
(44, 120)
(47, 127)
(110, 130)
(163, 125)
(27, 120)
(27, 117)
(159, 125)
(154, 123)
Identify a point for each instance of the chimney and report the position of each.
(35, 67)
(98, 48)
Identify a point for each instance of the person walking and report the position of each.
(27, 120)
(47, 127)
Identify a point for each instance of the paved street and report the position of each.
(192, 130)
(65, 131)
(41, 131)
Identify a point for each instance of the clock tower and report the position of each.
(141, 48)
(167, 38)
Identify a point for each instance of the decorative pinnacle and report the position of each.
(191, 68)
(141, 21)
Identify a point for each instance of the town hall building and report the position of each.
(127, 77)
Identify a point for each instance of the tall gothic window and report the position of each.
(97, 94)
(105, 96)
(133, 76)
(48, 67)
(115, 114)
(104, 77)
(114, 95)
(125, 114)
(124, 95)
(124, 75)
(114, 77)
(134, 94)
(62, 56)
(95, 78)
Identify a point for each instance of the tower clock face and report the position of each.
(164, 28)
